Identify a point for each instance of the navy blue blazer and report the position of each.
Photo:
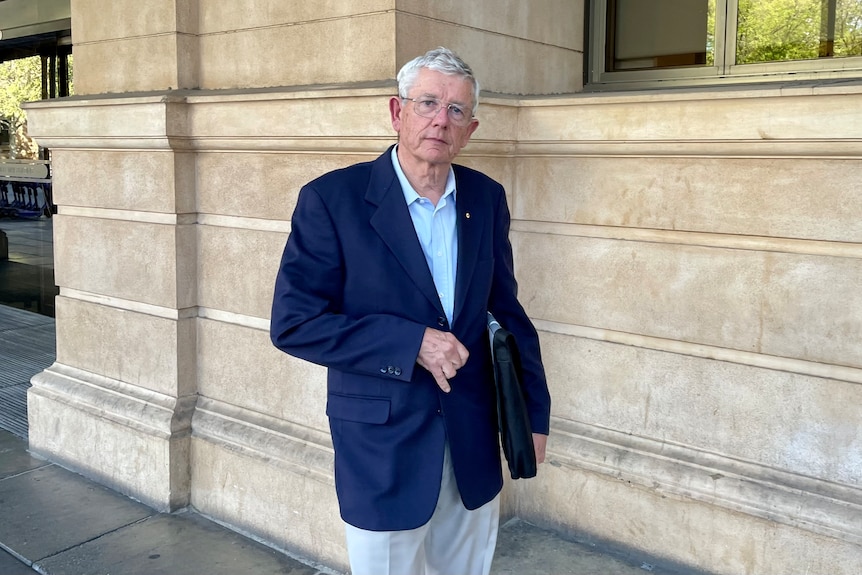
(354, 294)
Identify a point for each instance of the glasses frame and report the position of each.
(468, 116)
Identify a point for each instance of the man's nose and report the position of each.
(445, 111)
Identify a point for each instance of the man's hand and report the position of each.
(442, 355)
(539, 443)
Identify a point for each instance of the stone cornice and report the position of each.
(775, 121)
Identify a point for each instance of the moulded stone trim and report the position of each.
(293, 447)
(750, 116)
(144, 410)
(820, 149)
(819, 506)
(152, 429)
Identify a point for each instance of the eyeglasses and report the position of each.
(429, 108)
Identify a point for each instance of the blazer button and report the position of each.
(441, 321)
(390, 370)
(397, 371)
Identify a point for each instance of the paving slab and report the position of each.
(178, 544)
(523, 548)
(9, 565)
(49, 509)
(14, 457)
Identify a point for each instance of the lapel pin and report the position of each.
(468, 215)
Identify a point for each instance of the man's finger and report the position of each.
(462, 353)
(443, 383)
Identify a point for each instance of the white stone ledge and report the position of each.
(129, 305)
(302, 450)
(814, 505)
(147, 411)
(751, 359)
(168, 219)
(834, 87)
(371, 146)
(834, 149)
(703, 239)
(232, 318)
(244, 223)
(167, 313)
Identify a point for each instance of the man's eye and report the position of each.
(456, 111)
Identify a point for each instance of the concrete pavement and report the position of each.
(56, 522)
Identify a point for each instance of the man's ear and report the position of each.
(474, 124)
(395, 109)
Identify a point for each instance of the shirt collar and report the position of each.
(410, 195)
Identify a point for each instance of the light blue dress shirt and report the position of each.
(437, 232)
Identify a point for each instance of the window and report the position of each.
(638, 43)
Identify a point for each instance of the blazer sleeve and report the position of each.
(307, 319)
(504, 305)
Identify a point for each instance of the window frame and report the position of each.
(724, 71)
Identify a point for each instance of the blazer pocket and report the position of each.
(357, 408)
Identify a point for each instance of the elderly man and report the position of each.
(386, 279)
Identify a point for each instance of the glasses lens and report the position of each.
(429, 107)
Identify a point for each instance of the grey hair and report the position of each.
(440, 60)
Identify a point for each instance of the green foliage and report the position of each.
(21, 81)
(848, 28)
(777, 30)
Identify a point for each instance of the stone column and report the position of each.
(117, 404)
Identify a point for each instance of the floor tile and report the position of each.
(524, 548)
(50, 509)
(180, 544)
(14, 457)
(9, 565)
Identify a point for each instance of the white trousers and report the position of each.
(455, 541)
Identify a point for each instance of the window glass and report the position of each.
(648, 34)
(778, 30)
(637, 43)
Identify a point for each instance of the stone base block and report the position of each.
(691, 510)
(269, 479)
(132, 440)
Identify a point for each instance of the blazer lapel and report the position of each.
(471, 223)
(393, 224)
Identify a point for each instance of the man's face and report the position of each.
(433, 140)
